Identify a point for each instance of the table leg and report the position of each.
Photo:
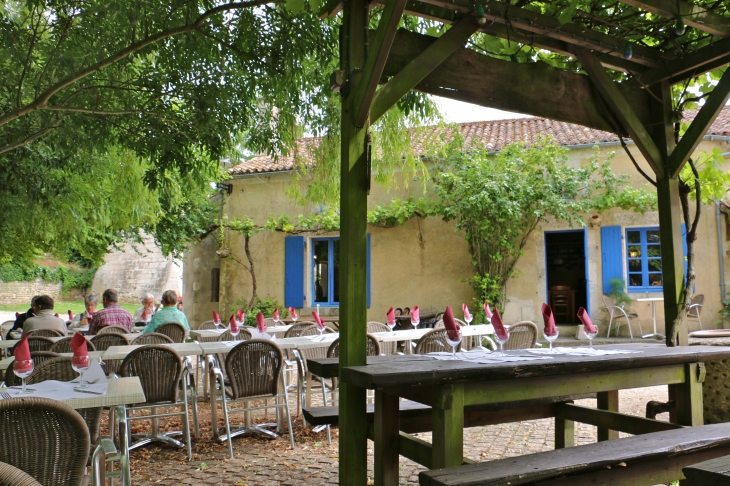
(386, 431)
(564, 433)
(213, 404)
(688, 396)
(124, 446)
(607, 401)
(448, 428)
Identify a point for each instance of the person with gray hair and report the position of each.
(83, 319)
(148, 309)
(168, 313)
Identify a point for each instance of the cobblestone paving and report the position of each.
(263, 462)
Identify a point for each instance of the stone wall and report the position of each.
(136, 270)
(22, 292)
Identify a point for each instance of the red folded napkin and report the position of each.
(70, 316)
(216, 317)
(234, 324)
(467, 315)
(260, 322)
(415, 314)
(276, 315)
(56, 315)
(499, 328)
(241, 316)
(78, 346)
(22, 353)
(144, 314)
(391, 317)
(549, 318)
(452, 328)
(318, 320)
(293, 313)
(586, 320)
(487, 311)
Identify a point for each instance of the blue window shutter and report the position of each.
(612, 255)
(368, 271)
(294, 271)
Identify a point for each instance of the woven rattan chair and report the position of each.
(173, 330)
(373, 347)
(5, 327)
(38, 358)
(269, 321)
(522, 335)
(466, 343)
(161, 373)
(45, 333)
(434, 342)
(12, 476)
(388, 348)
(297, 329)
(64, 346)
(695, 308)
(254, 368)
(152, 338)
(40, 343)
(45, 438)
(243, 335)
(113, 330)
(207, 325)
(106, 341)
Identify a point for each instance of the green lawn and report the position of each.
(63, 307)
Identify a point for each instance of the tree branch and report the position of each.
(32, 137)
(46, 95)
(636, 164)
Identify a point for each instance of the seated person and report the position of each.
(44, 318)
(111, 315)
(20, 320)
(168, 313)
(148, 304)
(83, 319)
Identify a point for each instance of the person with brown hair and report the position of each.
(44, 318)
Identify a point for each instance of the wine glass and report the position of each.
(321, 330)
(551, 338)
(22, 370)
(79, 365)
(236, 331)
(468, 319)
(414, 323)
(591, 336)
(453, 338)
(501, 341)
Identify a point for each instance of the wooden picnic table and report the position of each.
(448, 386)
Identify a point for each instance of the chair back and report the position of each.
(608, 302)
(152, 338)
(102, 342)
(38, 357)
(46, 333)
(113, 330)
(314, 353)
(696, 306)
(5, 327)
(466, 342)
(269, 321)
(45, 438)
(297, 329)
(243, 335)
(159, 369)
(253, 368)
(434, 341)
(39, 343)
(207, 325)
(12, 476)
(522, 335)
(173, 330)
(388, 348)
(64, 345)
(373, 347)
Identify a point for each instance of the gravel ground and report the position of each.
(264, 462)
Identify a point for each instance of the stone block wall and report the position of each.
(22, 292)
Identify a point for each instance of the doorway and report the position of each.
(566, 276)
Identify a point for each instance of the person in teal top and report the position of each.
(168, 313)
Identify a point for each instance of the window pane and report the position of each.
(336, 284)
(655, 265)
(654, 251)
(636, 280)
(652, 236)
(634, 251)
(655, 279)
(633, 236)
(321, 266)
(634, 265)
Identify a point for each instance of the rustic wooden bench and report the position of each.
(715, 472)
(652, 458)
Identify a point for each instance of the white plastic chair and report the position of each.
(695, 307)
(618, 312)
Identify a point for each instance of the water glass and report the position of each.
(22, 370)
(453, 338)
(501, 341)
(79, 365)
(551, 338)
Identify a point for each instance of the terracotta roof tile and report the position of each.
(494, 134)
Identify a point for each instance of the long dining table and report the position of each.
(448, 386)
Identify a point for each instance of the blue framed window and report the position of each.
(644, 260)
(326, 271)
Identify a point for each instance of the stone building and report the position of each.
(426, 262)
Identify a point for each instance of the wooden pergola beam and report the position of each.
(534, 88)
(421, 66)
(699, 126)
(379, 49)
(701, 61)
(694, 16)
(623, 111)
